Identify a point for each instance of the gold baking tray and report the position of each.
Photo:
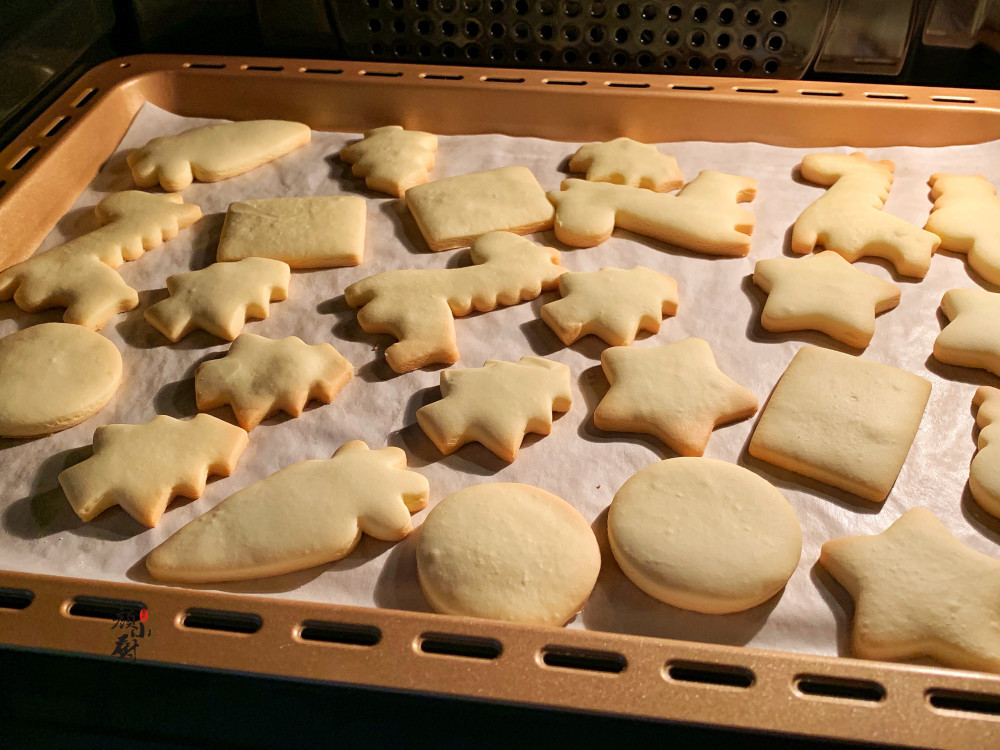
(46, 167)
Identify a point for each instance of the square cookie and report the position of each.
(842, 420)
(454, 211)
(314, 232)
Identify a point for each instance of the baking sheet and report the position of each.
(39, 532)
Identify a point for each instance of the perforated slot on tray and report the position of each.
(271, 68)
(466, 646)
(818, 686)
(811, 92)
(499, 79)
(957, 700)
(565, 657)
(56, 126)
(15, 598)
(879, 95)
(707, 673)
(440, 77)
(560, 82)
(954, 99)
(85, 98)
(24, 158)
(684, 87)
(345, 633)
(617, 85)
(222, 620)
(748, 90)
(100, 608)
(382, 73)
(323, 71)
(212, 66)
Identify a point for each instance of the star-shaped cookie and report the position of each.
(259, 376)
(306, 514)
(675, 392)
(966, 216)
(392, 160)
(984, 473)
(613, 304)
(823, 293)
(972, 338)
(627, 162)
(918, 591)
(142, 466)
(496, 404)
(219, 298)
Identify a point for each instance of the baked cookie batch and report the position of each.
(696, 533)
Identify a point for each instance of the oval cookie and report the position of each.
(508, 552)
(704, 535)
(54, 376)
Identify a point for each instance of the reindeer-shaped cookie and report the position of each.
(306, 514)
(80, 275)
(418, 306)
(848, 218)
(703, 216)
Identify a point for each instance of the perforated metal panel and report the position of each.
(750, 38)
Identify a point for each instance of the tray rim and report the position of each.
(772, 702)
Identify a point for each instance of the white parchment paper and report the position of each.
(40, 533)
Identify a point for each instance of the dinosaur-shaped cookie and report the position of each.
(627, 162)
(79, 275)
(259, 376)
(219, 298)
(306, 514)
(496, 404)
(848, 218)
(984, 473)
(142, 466)
(966, 216)
(392, 160)
(214, 152)
(419, 306)
(704, 216)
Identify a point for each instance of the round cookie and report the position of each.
(508, 552)
(704, 535)
(54, 376)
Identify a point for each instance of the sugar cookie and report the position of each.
(419, 306)
(507, 552)
(614, 304)
(823, 293)
(704, 535)
(496, 404)
(842, 420)
(966, 216)
(392, 160)
(79, 275)
(307, 514)
(984, 473)
(454, 211)
(704, 216)
(972, 338)
(318, 232)
(848, 218)
(54, 376)
(675, 392)
(142, 467)
(918, 591)
(627, 162)
(219, 298)
(259, 376)
(214, 152)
